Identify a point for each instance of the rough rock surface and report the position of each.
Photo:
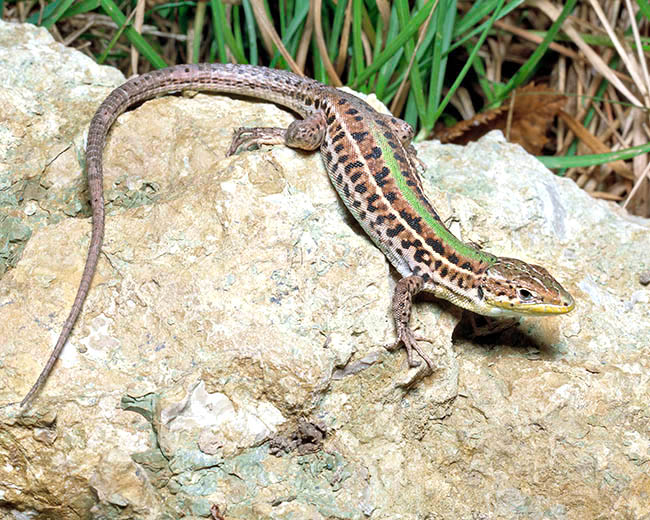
(230, 351)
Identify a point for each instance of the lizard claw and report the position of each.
(410, 342)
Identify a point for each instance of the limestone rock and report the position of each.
(238, 312)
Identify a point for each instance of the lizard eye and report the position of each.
(525, 295)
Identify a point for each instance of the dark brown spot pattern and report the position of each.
(364, 181)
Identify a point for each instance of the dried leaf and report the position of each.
(533, 111)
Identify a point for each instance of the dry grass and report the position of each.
(607, 108)
(620, 117)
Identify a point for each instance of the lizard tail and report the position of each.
(258, 82)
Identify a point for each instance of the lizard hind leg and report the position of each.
(404, 133)
(305, 134)
(400, 128)
(247, 138)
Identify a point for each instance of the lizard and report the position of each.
(373, 166)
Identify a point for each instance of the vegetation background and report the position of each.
(567, 80)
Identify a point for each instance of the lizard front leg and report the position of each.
(405, 290)
(404, 132)
(489, 326)
(305, 134)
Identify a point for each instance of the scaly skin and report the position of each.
(372, 166)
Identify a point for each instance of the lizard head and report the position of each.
(511, 287)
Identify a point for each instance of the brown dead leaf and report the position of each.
(530, 115)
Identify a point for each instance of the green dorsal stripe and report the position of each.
(441, 231)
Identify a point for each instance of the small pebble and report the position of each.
(644, 278)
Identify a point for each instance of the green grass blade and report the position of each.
(393, 87)
(297, 21)
(443, 24)
(395, 45)
(319, 67)
(82, 7)
(337, 28)
(236, 28)
(291, 35)
(357, 44)
(282, 12)
(470, 60)
(376, 48)
(102, 57)
(218, 21)
(249, 18)
(478, 11)
(231, 42)
(199, 21)
(61, 8)
(417, 87)
(644, 8)
(183, 17)
(527, 69)
(462, 37)
(411, 111)
(582, 161)
(388, 69)
(223, 34)
(136, 39)
(165, 10)
(49, 9)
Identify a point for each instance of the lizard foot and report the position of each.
(248, 137)
(410, 342)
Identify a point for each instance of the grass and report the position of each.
(431, 61)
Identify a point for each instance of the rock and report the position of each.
(238, 308)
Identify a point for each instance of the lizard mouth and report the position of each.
(567, 304)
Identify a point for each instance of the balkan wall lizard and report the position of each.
(372, 165)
